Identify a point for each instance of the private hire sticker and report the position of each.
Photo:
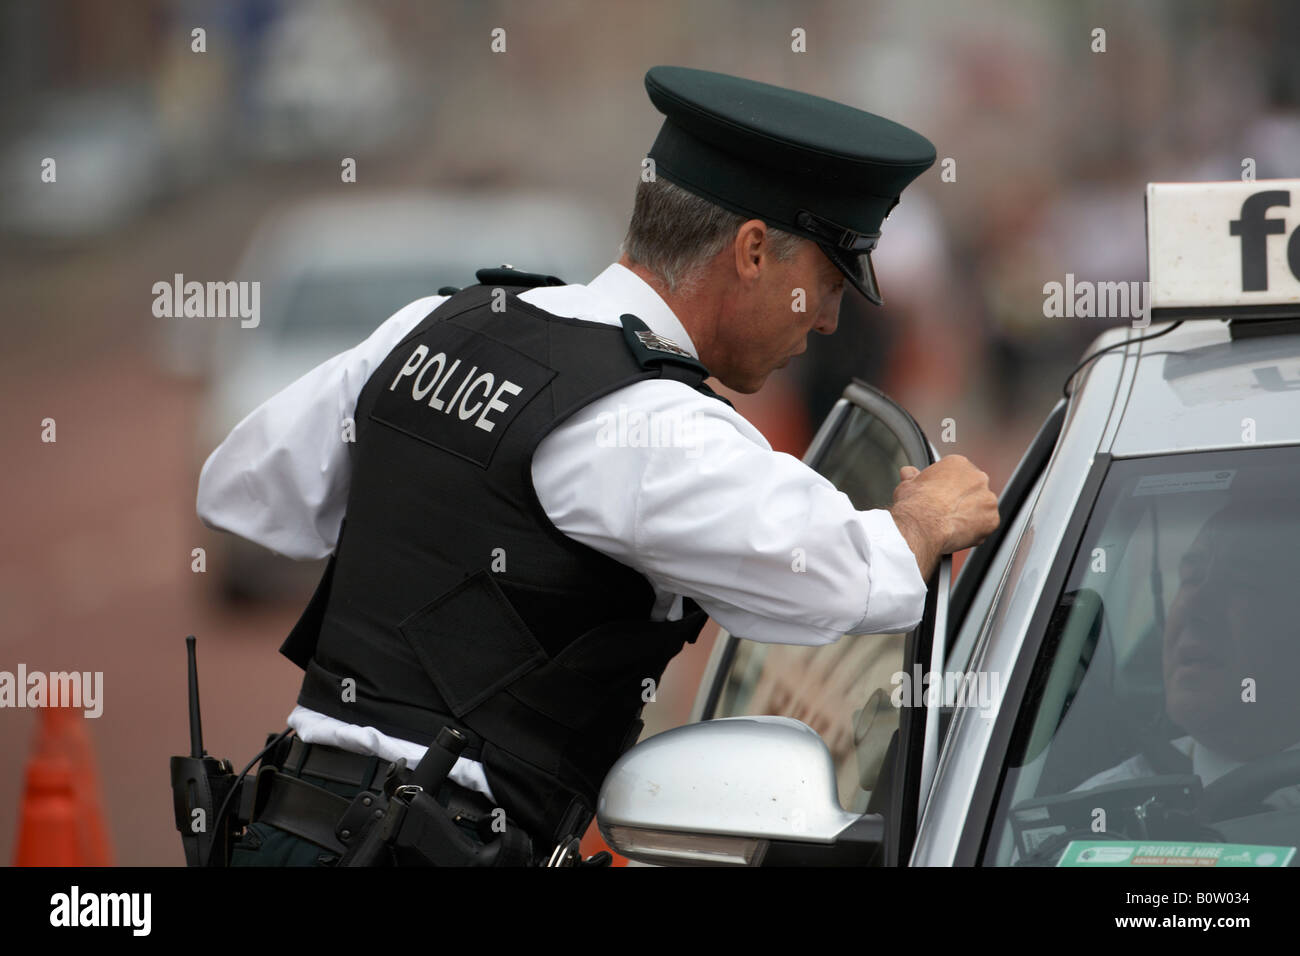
(1184, 481)
(1110, 853)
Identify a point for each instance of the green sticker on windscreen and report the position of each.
(1111, 853)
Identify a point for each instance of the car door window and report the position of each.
(981, 575)
(846, 690)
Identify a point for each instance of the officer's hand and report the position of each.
(945, 508)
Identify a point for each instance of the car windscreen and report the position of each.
(1161, 715)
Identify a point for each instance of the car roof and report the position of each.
(1197, 388)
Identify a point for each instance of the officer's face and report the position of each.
(772, 308)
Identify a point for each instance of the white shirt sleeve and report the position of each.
(281, 477)
(763, 543)
(683, 489)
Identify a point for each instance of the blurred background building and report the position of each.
(219, 155)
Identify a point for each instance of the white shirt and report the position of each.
(768, 547)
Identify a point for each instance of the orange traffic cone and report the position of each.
(62, 823)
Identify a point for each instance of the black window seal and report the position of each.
(1023, 479)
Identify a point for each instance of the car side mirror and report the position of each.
(739, 791)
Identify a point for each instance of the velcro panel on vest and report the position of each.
(504, 649)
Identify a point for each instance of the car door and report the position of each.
(864, 694)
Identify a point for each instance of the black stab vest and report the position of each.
(451, 598)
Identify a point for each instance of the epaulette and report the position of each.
(650, 348)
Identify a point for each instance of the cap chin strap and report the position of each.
(841, 237)
(849, 250)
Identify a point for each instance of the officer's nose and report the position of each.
(830, 318)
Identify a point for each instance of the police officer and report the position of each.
(544, 500)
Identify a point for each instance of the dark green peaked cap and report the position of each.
(801, 163)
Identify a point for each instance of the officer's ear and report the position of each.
(753, 243)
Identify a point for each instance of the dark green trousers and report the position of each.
(265, 845)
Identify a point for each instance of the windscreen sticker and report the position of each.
(1184, 481)
(1033, 839)
(1111, 853)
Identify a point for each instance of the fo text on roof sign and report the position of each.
(1224, 249)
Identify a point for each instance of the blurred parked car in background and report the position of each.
(331, 271)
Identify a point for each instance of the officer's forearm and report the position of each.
(921, 535)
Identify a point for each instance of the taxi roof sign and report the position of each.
(1224, 249)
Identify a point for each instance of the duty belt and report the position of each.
(331, 821)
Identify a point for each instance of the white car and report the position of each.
(1114, 679)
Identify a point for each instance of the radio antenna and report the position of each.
(196, 726)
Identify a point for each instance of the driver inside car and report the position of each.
(1231, 649)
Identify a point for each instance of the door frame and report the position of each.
(915, 768)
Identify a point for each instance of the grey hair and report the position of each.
(675, 233)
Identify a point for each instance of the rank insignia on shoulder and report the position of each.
(651, 348)
(656, 342)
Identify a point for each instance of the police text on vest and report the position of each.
(447, 388)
